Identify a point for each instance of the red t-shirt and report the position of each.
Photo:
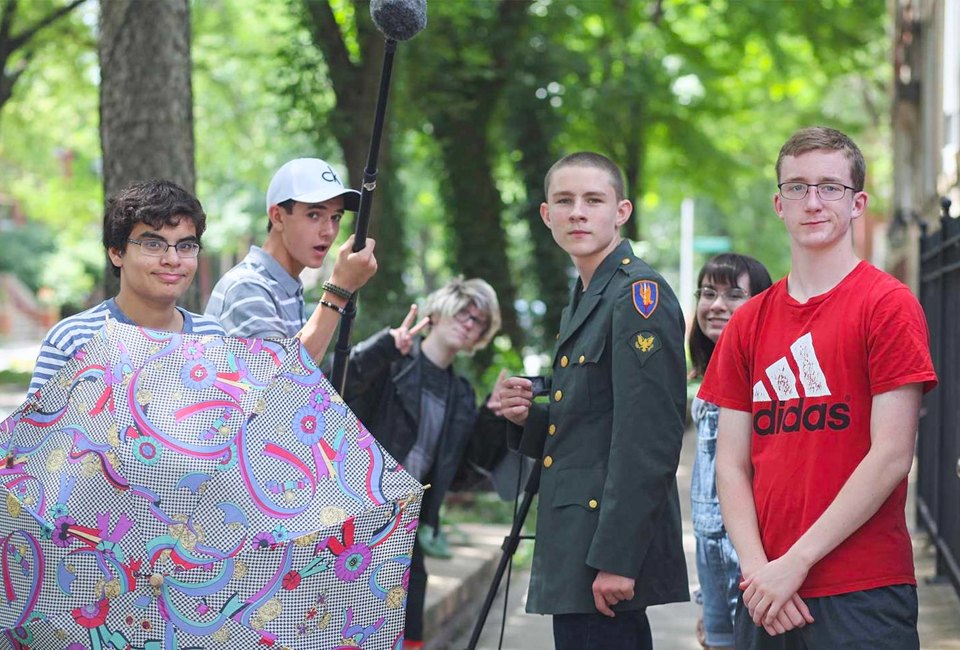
(808, 373)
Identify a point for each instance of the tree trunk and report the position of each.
(463, 67)
(146, 99)
(477, 236)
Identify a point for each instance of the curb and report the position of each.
(456, 587)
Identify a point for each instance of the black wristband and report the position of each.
(346, 294)
(330, 305)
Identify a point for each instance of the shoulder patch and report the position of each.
(646, 297)
(644, 344)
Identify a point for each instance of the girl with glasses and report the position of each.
(725, 283)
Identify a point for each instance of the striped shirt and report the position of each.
(69, 335)
(258, 298)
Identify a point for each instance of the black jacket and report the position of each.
(383, 389)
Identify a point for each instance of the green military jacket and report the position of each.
(610, 441)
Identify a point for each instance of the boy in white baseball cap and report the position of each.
(262, 296)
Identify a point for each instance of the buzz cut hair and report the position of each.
(458, 294)
(588, 159)
(823, 138)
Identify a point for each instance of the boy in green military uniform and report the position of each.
(608, 540)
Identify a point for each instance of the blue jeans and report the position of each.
(719, 570)
(626, 631)
(717, 563)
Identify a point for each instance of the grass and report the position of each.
(488, 508)
(14, 379)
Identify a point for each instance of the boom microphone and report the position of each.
(399, 20)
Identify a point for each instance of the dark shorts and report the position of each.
(625, 631)
(876, 619)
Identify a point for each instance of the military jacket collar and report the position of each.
(577, 312)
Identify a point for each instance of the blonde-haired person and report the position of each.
(457, 296)
(403, 387)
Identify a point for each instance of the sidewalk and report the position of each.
(19, 356)
(458, 586)
(10, 398)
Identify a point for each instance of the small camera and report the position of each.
(539, 384)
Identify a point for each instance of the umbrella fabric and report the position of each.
(167, 491)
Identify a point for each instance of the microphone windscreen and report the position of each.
(400, 20)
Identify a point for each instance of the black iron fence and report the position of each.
(938, 478)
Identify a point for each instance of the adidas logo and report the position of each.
(788, 411)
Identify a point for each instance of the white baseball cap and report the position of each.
(309, 180)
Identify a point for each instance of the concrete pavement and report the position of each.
(19, 356)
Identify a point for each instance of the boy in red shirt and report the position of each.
(819, 380)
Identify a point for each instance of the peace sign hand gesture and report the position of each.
(403, 335)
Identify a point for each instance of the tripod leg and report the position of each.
(509, 547)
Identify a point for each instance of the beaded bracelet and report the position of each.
(336, 308)
(346, 294)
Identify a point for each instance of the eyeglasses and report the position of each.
(463, 316)
(158, 247)
(826, 191)
(709, 294)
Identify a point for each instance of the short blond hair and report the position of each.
(458, 294)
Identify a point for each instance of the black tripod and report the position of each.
(509, 546)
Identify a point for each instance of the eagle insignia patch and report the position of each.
(646, 297)
(645, 343)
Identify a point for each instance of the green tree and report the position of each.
(532, 132)
(28, 268)
(20, 29)
(694, 99)
(49, 150)
(460, 68)
(243, 126)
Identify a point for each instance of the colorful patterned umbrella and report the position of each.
(167, 491)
